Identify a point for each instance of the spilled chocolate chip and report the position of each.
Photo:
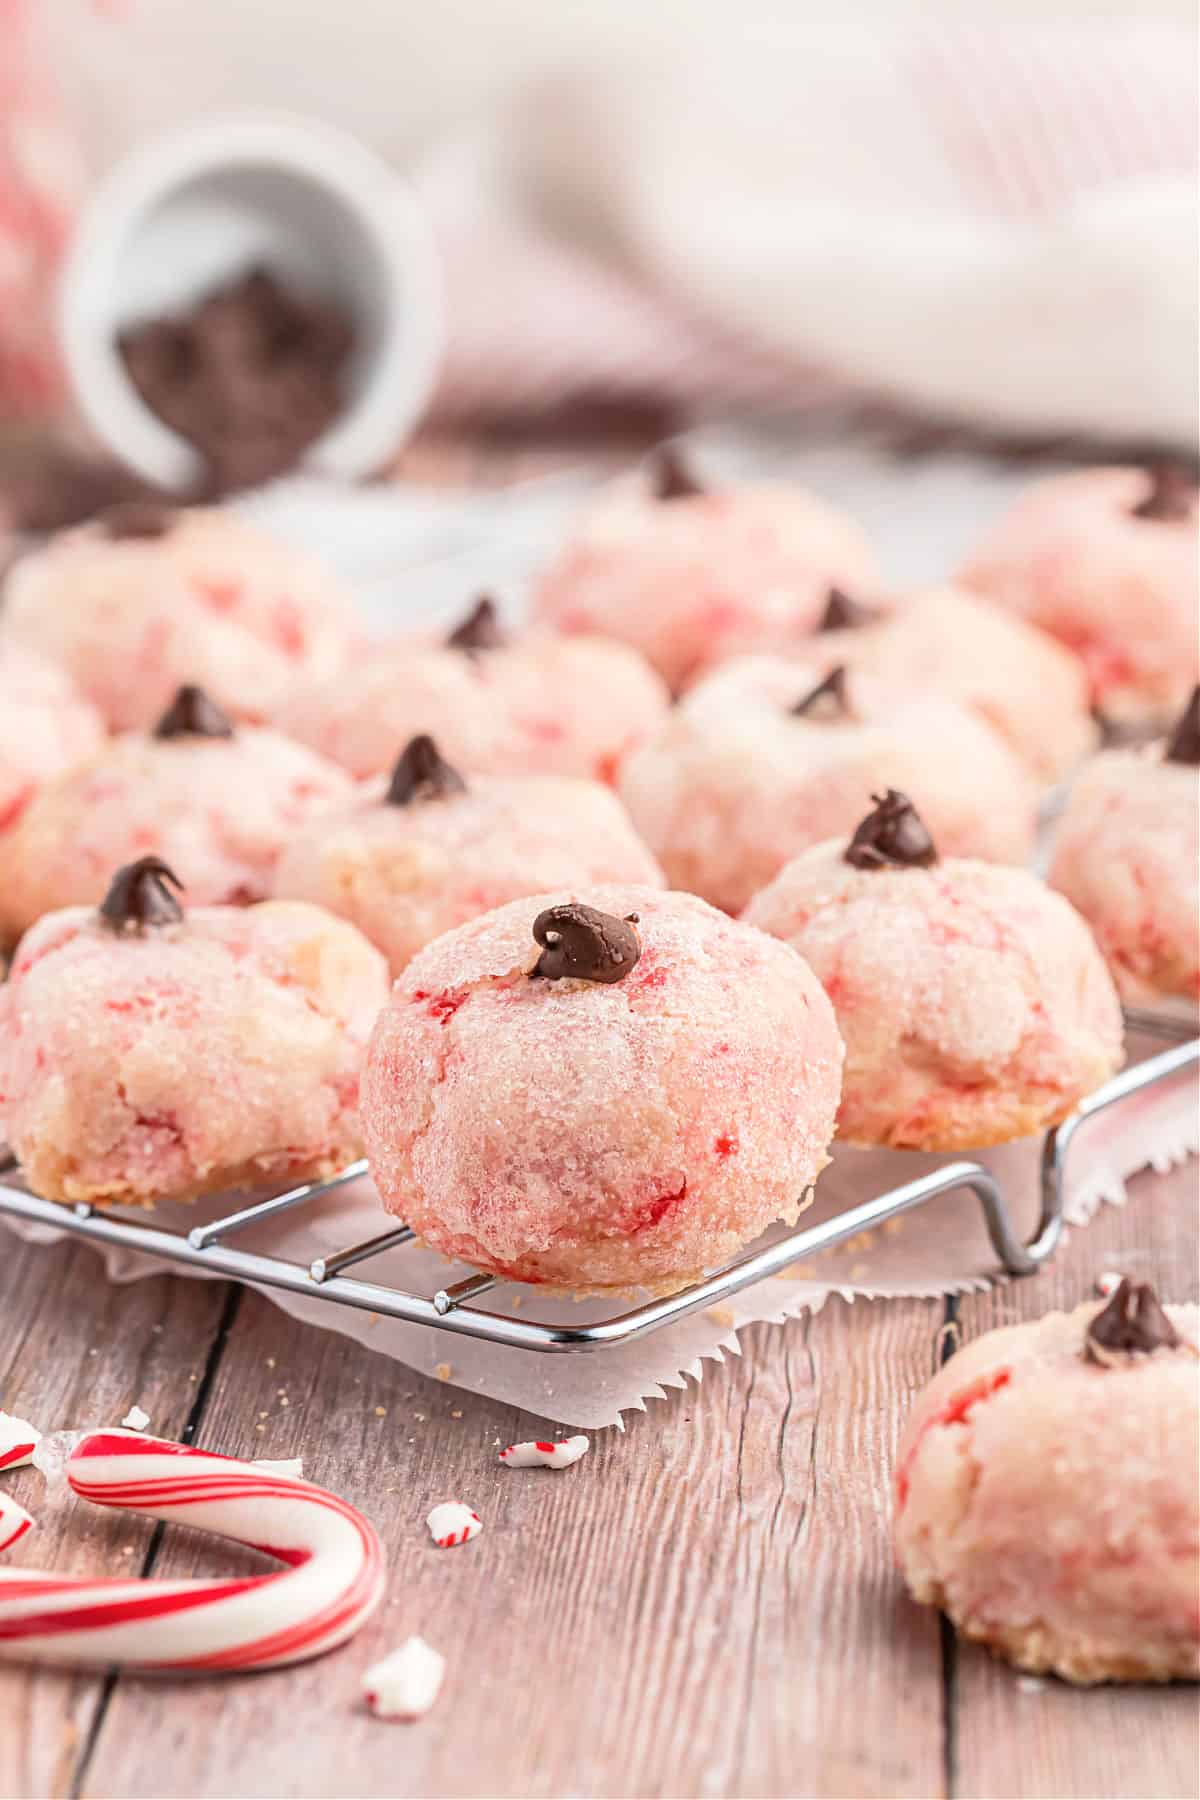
(192, 714)
(892, 836)
(828, 700)
(585, 945)
(844, 614)
(140, 896)
(1132, 1324)
(138, 519)
(1172, 496)
(673, 477)
(480, 630)
(1184, 743)
(422, 773)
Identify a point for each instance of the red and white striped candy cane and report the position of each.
(333, 1581)
(14, 1522)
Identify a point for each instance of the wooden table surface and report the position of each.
(704, 1606)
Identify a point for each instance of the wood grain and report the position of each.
(1055, 1740)
(704, 1605)
(75, 1351)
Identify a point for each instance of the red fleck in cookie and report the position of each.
(1046, 1494)
(1126, 853)
(946, 640)
(693, 576)
(1106, 561)
(768, 756)
(534, 704)
(46, 726)
(152, 1054)
(431, 849)
(610, 1091)
(973, 1001)
(218, 802)
(149, 597)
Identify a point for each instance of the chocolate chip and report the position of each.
(828, 700)
(1132, 1324)
(892, 836)
(844, 614)
(480, 630)
(140, 896)
(192, 714)
(422, 773)
(1184, 743)
(138, 519)
(582, 944)
(1172, 496)
(673, 477)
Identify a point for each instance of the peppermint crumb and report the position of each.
(419, 1417)
(270, 1362)
(284, 1401)
(93, 1352)
(443, 1371)
(260, 1428)
(264, 1415)
(381, 1412)
(456, 1415)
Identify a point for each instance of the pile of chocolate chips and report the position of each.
(251, 375)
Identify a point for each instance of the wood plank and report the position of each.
(75, 1351)
(1050, 1739)
(704, 1605)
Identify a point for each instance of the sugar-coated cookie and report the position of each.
(973, 1001)
(693, 576)
(149, 597)
(532, 704)
(947, 640)
(767, 756)
(1105, 560)
(1127, 854)
(217, 801)
(608, 1088)
(413, 857)
(1046, 1493)
(46, 726)
(151, 1054)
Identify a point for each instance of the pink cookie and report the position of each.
(738, 782)
(1046, 1494)
(147, 598)
(693, 578)
(948, 641)
(412, 859)
(609, 1098)
(151, 1055)
(974, 1003)
(540, 704)
(218, 803)
(1106, 561)
(46, 726)
(1126, 854)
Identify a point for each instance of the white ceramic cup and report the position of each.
(198, 207)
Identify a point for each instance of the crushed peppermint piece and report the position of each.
(406, 1683)
(287, 1465)
(453, 1523)
(545, 1455)
(14, 1522)
(18, 1441)
(136, 1419)
(1107, 1283)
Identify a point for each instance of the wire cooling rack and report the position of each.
(211, 1248)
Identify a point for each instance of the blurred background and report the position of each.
(979, 217)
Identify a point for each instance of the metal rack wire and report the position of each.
(208, 1247)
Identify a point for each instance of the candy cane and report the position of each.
(14, 1522)
(333, 1582)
